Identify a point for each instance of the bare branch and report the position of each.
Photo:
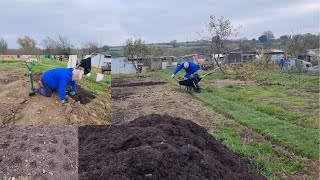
(3, 46)
(216, 32)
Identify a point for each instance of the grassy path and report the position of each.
(290, 145)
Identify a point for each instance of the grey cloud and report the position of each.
(113, 21)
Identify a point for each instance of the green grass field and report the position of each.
(181, 49)
(285, 111)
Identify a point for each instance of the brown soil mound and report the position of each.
(157, 147)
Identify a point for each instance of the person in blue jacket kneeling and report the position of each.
(59, 79)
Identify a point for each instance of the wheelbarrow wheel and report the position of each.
(197, 89)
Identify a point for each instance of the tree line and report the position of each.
(217, 38)
(293, 44)
(59, 45)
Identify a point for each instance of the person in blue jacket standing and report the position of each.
(59, 79)
(281, 64)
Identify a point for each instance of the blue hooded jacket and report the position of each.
(58, 79)
(193, 67)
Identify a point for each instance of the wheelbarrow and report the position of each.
(191, 84)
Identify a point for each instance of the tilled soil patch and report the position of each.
(38, 152)
(9, 80)
(137, 82)
(116, 95)
(83, 95)
(157, 147)
(148, 83)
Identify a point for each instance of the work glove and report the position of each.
(72, 93)
(64, 101)
(172, 75)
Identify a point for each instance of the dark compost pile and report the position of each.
(157, 147)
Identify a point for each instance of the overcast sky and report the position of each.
(111, 22)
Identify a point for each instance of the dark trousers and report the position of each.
(45, 90)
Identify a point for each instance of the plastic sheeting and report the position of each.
(72, 63)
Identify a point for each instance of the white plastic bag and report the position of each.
(72, 63)
(99, 77)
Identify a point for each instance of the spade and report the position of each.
(29, 65)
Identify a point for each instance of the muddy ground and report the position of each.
(134, 97)
(157, 147)
(16, 107)
(38, 152)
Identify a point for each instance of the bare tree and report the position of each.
(174, 43)
(49, 45)
(90, 47)
(136, 51)
(3, 46)
(158, 51)
(269, 35)
(105, 48)
(246, 44)
(64, 45)
(129, 49)
(231, 46)
(295, 45)
(216, 32)
(27, 45)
